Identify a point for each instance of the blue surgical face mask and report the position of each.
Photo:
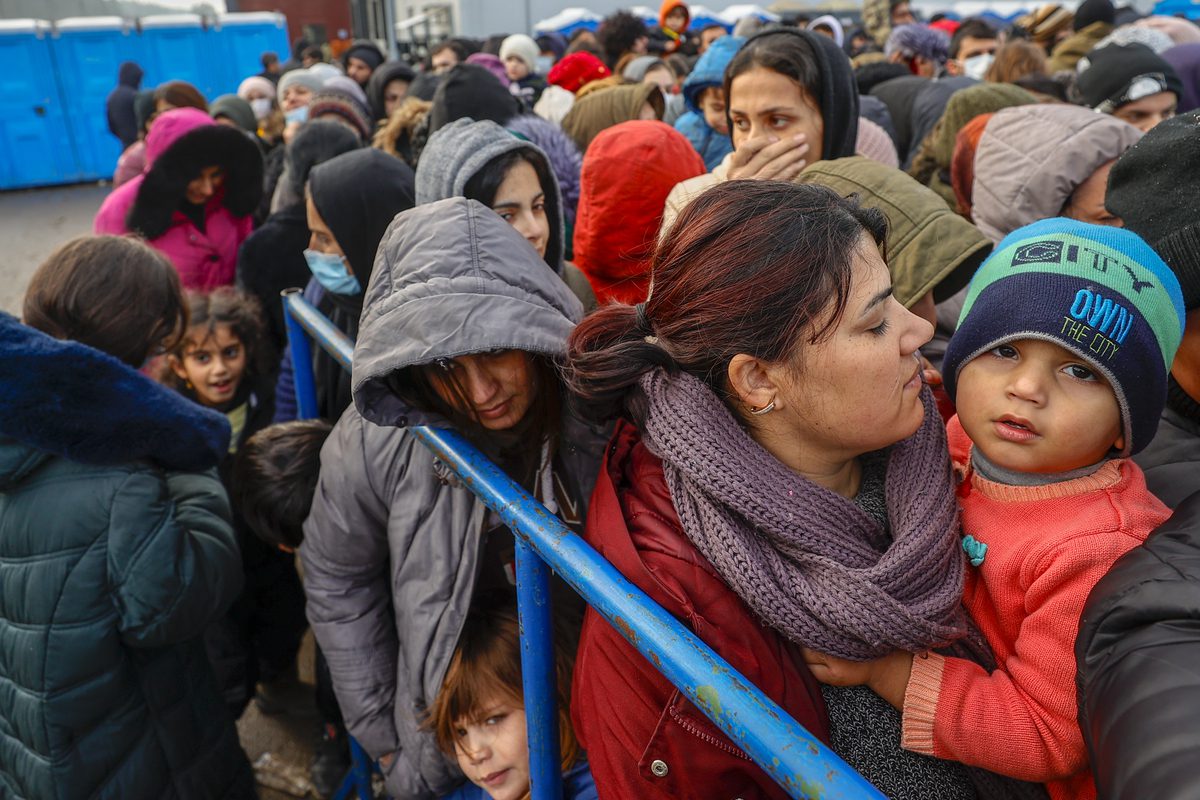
(543, 65)
(330, 271)
(296, 115)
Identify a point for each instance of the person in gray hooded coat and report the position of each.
(485, 162)
(461, 324)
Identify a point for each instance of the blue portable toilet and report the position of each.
(87, 53)
(35, 143)
(241, 41)
(177, 48)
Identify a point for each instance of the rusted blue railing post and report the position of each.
(539, 676)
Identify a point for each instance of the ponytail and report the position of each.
(607, 355)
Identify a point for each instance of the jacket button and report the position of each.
(659, 768)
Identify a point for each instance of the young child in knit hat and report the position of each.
(1059, 371)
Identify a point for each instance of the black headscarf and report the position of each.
(357, 194)
(838, 91)
(380, 78)
(470, 90)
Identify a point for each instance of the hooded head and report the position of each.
(669, 7)
(181, 143)
(366, 52)
(460, 151)
(129, 74)
(468, 90)
(452, 278)
(1032, 158)
(380, 78)
(709, 71)
(1092, 11)
(357, 194)
(627, 174)
(599, 110)
(819, 68)
(236, 110)
(315, 143)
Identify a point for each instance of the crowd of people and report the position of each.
(872, 355)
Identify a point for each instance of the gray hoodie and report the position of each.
(456, 154)
(393, 543)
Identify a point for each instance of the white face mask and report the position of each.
(977, 66)
(261, 106)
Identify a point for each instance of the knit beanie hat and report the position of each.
(523, 47)
(1093, 11)
(576, 69)
(1099, 292)
(255, 83)
(341, 105)
(1185, 59)
(1153, 189)
(472, 91)
(838, 95)
(302, 77)
(1113, 76)
(365, 52)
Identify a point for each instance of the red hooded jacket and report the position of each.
(643, 738)
(628, 171)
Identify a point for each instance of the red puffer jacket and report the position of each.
(644, 739)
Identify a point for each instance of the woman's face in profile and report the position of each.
(763, 102)
(858, 389)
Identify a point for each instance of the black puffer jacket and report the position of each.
(1138, 654)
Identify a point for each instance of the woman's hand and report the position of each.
(769, 158)
(886, 676)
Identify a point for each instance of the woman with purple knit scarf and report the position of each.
(778, 479)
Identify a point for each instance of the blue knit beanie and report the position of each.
(1097, 291)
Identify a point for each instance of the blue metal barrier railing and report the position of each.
(793, 757)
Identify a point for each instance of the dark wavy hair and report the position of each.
(275, 476)
(618, 33)
(756, 267)
(226, 306)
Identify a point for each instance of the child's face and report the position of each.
(214, 365)
(712, 105)
(677, 20)
(493, 749)
(1033, 406)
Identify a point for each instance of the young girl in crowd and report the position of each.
(483, 161)
(115, 544)
(1059, 370)
(479, 715)
(220, 364)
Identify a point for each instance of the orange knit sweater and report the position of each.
(1047, 547)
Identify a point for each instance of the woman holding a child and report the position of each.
(779, 479)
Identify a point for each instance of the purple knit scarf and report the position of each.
(808, 561)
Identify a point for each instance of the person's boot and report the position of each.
(331, 760)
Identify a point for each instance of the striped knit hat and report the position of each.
(1097, 291)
